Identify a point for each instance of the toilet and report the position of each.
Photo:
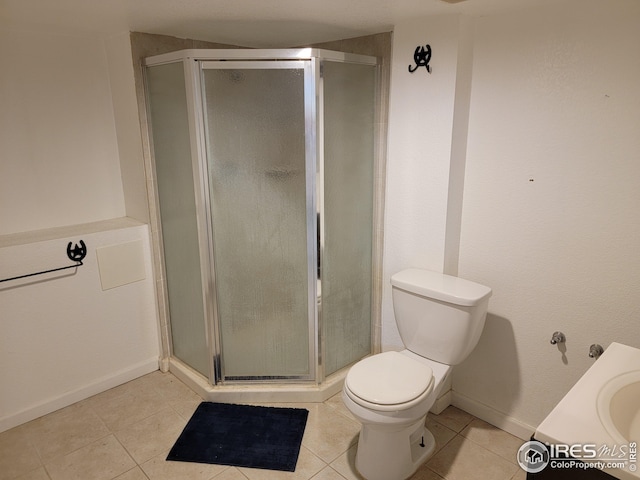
(440, 319)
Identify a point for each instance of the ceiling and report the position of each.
(251, 23)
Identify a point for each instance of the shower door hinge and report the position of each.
(321, 69)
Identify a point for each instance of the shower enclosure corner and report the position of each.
(264, 170)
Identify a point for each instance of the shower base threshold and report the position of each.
(258, 393)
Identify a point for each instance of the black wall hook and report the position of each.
(421, 57)
(75, 254)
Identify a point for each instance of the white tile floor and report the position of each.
(125, 434)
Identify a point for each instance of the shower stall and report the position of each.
(264, 165)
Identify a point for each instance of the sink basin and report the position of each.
(602, 409)
(618, 405)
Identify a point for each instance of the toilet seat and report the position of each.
(389, 381)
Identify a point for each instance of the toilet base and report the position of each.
(393, 454)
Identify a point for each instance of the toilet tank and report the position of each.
(439, 316)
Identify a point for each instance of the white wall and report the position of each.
(551, 198)
(68, 122)
(58, 145)
(64, 338)
(127, 123)
(421, 128)
(551, 168)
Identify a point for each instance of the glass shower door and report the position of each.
(262, 233)
(169, 115)
(348, 168)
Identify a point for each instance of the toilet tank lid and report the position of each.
(439, 286)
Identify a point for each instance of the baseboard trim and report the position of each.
(80, 393)
(492, 416)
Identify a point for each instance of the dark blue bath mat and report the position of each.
(242, 436)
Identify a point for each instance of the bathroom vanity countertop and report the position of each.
(575, 419)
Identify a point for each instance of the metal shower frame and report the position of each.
(195, 61)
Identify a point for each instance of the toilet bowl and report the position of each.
(440, 319)
(395, 391)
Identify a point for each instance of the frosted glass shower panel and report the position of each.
(176, 195)
(349, 127)
(255, 127)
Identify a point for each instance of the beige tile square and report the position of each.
(101, 460)
(425, 473)
(155, 387)
(494, 439)
(39, 474)
(519, 475)
(345, 464)
(462, 459)
(153, 435)
(133, 474)
(185, 408)
(328, 433)
(138, 386)
(158, 468)
(231, 473)
(128, 408)
(65, 431)
(308, 465)
(337, 403)
(442, 434)
(17, 454)
(453, 418)
(328, 473)
(169, 388)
